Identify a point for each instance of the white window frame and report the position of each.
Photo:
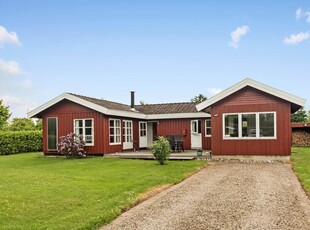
(208, 127)
(257, 137)
(115, 135)
(83, 127)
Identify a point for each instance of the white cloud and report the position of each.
(298, 13)
(27, 84)
(296, 38)
(214, 91)
(10, 67)
(237, 34)
(8, 37)
(18, 106)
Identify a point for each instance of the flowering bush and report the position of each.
(72, 145)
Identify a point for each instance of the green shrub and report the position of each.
(161, 149)
(20, 142)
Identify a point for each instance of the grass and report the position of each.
(301, 163)
(38, 192)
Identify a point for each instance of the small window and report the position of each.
(52, 135)
(85, 127)
(208, 127)
(115, 131)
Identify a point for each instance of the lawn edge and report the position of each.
(153, 191)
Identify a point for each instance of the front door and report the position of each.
(127, 135)
(196, 140)
(142, 134)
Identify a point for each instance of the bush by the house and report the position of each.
(161, 149)
(20, 142)
(72, 145)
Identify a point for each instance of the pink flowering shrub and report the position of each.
(72, 145)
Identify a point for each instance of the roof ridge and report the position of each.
(169, 103)
(100, 99)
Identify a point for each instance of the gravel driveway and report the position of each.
(226, 195)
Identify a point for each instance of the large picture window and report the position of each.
(85, 127)
(260, 125)
(115, 131)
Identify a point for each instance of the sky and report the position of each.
(165, 51)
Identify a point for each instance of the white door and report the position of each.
(142, 134)
(196, 140)
(127, 135)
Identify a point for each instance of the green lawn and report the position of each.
(38, 192)
(301, 162)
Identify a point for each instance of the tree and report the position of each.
(39, 124)
(4, 115)
(300, 116)
(199, 98)
(22, 124)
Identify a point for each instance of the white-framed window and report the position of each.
(85, 127)
(260, 125)
(115, 131)
(208, 127)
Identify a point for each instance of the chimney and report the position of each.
(132, 104)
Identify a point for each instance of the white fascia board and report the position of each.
(257, 85)
(120, 113)
(87, 104)
(177, 116)
(69, 97)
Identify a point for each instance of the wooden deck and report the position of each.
(147, 155)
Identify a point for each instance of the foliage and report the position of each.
(199, 98)
(39, 125)
(301, 161)
(161, 149)
(72, 145)
(18, 142)
(21, 124)
(300, 116)
(40, 192)
(4, 115)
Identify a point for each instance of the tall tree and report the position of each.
(300, 116)
(199, 98)
(22, 124)
(4, 115)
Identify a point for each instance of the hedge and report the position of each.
(12, 142)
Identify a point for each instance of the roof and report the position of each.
(182, 107)
(105, 103)
(296, 102)
(147, 112)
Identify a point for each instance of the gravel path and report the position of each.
(226, 195)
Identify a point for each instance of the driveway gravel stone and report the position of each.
(226, 195)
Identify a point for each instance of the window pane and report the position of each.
(231, 125)
(266, 122)
(88, 131)
(88, 139)
(249, 125)
(52, 133)
(111, 139)
(88, 123)
(111, 123)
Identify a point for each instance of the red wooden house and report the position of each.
(248, 118)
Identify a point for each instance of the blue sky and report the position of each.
(167, 51)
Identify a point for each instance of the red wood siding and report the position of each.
(251, 100)
(66, 112)
(180, 127)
